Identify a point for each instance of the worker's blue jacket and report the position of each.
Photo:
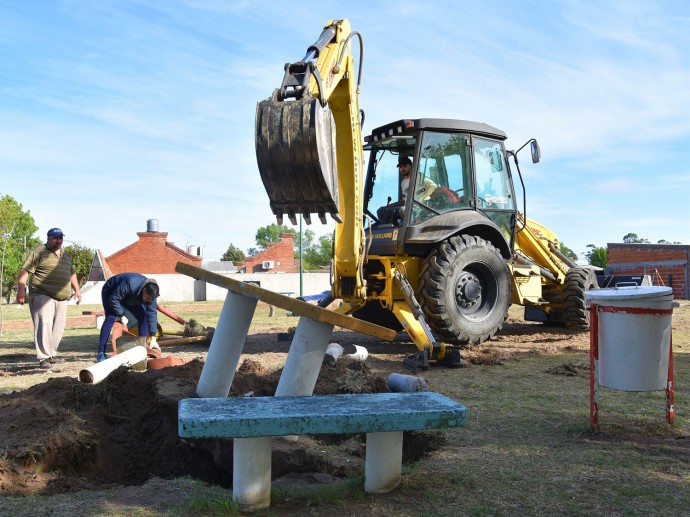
(124, 291)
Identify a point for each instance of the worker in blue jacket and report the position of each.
(135, 294)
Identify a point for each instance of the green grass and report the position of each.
(526, 450)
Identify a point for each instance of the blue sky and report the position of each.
(114, 112)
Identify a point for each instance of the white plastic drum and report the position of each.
(633, 346)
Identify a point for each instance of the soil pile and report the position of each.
(62, 435)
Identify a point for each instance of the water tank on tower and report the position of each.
(152, 225)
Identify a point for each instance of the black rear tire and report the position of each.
(577, 281)
(465, 290)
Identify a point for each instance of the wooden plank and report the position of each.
(293, 305)
(281, 416)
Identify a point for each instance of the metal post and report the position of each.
(670, 409)
(593, 367)
(300, 255)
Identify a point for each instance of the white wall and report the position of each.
(182, 288)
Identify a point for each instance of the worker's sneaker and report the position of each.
(56, 360)
(101, 357)
(45, 364)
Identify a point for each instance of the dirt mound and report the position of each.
(63, 436)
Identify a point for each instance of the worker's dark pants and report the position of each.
(137, 312)
(389, 214)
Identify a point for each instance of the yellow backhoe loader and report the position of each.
(447, 264)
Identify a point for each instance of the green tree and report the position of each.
(233, 254)
(632, 238)
(597, 256)
(319, 254)
(82, 259)
(270, 234)
(17, 228)
(307, 242)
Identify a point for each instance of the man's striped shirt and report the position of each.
(50, 274)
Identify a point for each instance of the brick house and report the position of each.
(151, 254)
(667, 264)
(278, 257)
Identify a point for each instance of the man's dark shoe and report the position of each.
(56, 360)
(45, 364)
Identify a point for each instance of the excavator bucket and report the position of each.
(295, 152)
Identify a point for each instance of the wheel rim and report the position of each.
(475, 291)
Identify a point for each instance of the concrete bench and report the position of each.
(253, 421)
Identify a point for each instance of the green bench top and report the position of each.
(319, 414)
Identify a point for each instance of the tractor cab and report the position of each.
(458, 177)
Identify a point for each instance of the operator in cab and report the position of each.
(392, 213)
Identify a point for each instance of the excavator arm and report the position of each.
(309, 149)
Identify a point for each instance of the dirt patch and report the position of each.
(569, 370)
(63, 435)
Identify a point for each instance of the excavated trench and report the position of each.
(63, 436)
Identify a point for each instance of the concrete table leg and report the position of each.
(226, 346)
(383, 462)
(304, 359)
(251, 472)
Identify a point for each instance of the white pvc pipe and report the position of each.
(333, 352)
(360, 353)
(226, 346)
(251, 472)
(383, 462)
(99, 371)
(305, 358)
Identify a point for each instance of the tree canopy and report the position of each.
(82, 259)
(597, 256)
(319, 254)
(632, 238)
(271, 234)
(16, 240)
(233, 254)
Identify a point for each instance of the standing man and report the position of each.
(52, 281)
(133, 293)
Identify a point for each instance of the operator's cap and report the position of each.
(404, 160)
(55, 232)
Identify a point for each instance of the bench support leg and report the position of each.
(383, 462)
(304, 359)
(226, 346)
(251, 472)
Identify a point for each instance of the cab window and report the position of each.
(493, 182)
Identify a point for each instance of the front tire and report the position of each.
(465, 290)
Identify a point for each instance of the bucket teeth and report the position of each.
(295, 152)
